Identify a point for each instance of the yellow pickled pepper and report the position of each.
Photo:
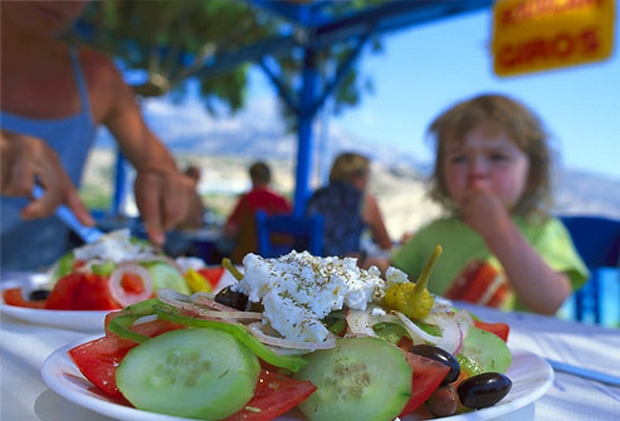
(197, 282)
(413, 299)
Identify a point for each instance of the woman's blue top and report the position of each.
(34, 245)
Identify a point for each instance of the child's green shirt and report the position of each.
(462, 245)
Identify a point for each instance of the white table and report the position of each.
(24, 347)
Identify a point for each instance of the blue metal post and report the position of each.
(120, 184)
(306, 116)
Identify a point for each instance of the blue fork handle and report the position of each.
(87, 234)
(585, 373)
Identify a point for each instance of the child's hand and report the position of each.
(483, 210)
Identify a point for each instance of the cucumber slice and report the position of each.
(360, 379)
(486, 350)
(61, 268)
(193, 373)
(166, 276)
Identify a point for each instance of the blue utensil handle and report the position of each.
(88, 234)
(585, 373)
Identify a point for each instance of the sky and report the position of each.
(425, 69)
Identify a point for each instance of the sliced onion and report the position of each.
(204, 300)
(258, 330)
(123, 297)
(450, 340)
(360, 323)
(193, 305)
(172, 297)
(220, 316)
(145, 319)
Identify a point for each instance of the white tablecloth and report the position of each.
(24, 347)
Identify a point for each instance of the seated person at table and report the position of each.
(240, 226)
(54, 97)
(181, 242)
(501, 248)
(195, 217)
(348, 208)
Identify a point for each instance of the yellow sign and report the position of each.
(535, 35)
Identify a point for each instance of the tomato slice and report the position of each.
(82, 291)
(15, 297)
(500, 329)
(98, 359)
(65, 292)
(275, 395)
(94, 294)
(427, 376)
(212, 274)
(132, 283)
(108, 318)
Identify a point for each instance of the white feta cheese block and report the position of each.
(298, 290)
(115, 246)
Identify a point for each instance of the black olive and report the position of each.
(38, 295)
(483, 390)
(231, 298)
(442, 356)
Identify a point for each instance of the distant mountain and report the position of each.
(580, 192)
(256, 131)
(259, 132)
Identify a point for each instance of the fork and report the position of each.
(87, 234)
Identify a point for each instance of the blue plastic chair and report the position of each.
(597, 240)
(299, 233)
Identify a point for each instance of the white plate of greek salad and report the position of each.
(83, 321)
(353, 344)
(90, 281)
(530, 374)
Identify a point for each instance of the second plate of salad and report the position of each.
(83, 321)
(87, 283)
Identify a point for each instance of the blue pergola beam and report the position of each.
(318, 28)
(252, 53)
(341, 73)
(306, 14)
(381, 19)
(283, 91)
(397, 15)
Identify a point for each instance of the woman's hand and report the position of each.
(27, 160)
(164, 199)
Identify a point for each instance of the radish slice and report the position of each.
(123, 297)
(461, 317)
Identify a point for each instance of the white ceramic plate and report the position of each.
(531, 377)
(84, 321)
